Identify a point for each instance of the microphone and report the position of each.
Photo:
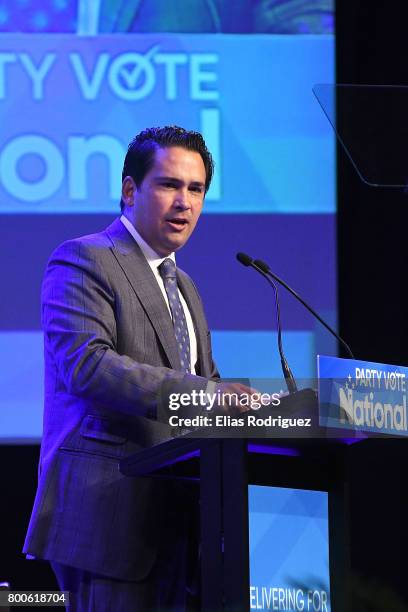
(261, 265)
(246, 260)
(287, 372)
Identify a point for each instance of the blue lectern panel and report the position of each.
(289, 549)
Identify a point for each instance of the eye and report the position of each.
(196, 189)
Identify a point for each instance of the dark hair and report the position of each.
(140, 154)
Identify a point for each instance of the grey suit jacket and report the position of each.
(109, 346)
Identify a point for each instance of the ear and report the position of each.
(128, 191)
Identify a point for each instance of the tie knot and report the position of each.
(167, 268)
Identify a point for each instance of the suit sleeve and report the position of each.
(79, 322)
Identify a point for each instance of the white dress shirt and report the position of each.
(154, 260)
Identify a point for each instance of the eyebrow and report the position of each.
(173, 179)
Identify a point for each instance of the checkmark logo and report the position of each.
(130, 75)
(133, 73)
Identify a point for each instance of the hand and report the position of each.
(231, 393)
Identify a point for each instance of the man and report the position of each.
(119, 322)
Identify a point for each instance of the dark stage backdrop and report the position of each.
(372, 47)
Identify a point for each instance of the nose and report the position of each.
(181, 200)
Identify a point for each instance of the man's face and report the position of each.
(166, 206)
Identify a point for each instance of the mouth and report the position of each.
(177, 224)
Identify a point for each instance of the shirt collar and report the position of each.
(150, 254)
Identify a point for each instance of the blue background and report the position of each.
(273, 195)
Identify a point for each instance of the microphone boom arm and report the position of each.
(266, 270)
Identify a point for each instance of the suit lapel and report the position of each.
(144, 284)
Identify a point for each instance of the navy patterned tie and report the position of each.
(167, 271)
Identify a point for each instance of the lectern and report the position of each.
(223, 469)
